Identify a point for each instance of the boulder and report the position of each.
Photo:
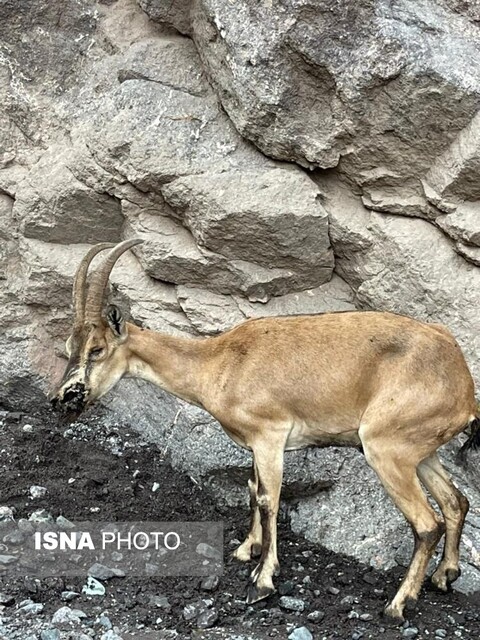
(272, 218)
(389, 89)
(54, 206)
(463, 224)
(175, 14)
(453, 176)
(170, 253)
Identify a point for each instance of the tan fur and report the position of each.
(398, 387)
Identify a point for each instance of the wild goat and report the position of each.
(397, 387)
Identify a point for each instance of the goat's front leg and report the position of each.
(252, 545)
(268, 460)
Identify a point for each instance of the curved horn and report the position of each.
(96, 291)
(79, 294)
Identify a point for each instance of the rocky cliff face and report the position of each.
(277, 158)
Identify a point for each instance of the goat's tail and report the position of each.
(473, 441)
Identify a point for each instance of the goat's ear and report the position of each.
(116, 322)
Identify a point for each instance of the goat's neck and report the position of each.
(171, 362)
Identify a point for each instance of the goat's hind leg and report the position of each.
(396, 465)
(269, 469)
(454, 506)
(252, 545)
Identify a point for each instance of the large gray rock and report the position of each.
(153, 125)
(388, 89)
(463, 224)
(34, 72)
(453, 176)
(277, 221)
(175, 14)
(54, 206)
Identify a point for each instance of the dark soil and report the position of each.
(103, 460)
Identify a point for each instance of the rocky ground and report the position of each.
(321, 594)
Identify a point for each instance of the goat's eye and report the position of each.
(95, 353)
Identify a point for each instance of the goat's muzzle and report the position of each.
(70, 400)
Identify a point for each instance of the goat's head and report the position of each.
(96, 348)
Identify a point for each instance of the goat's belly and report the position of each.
(302, 436)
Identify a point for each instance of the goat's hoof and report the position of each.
(411, 604)
(256, 550)
(442, 580)
(254, 593)
(242, 554)
(393, 613)
(452, 575)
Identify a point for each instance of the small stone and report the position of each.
(286, 588)
(50, 634)
(63, 523)
(207, 619)
(291, 604)
(441, 633)
(366, 617)
(27, 428)
(14, 537)
(204, 549)
(110, 635)
(25, 525)
(104, 621)
(24, 603)
(93, 587)
(333, 590)
(36, 491)
(210, 583)
(6, 514)
(316, 616)
(410, 632)
(6, 599)
(161, 602)
(69, 595)
(102, 572)
(41, 515)
(369, 578)
(155, 487)
(190, 611)
(66, 617)
(7, 559)
(31, 609)
(301, 633)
